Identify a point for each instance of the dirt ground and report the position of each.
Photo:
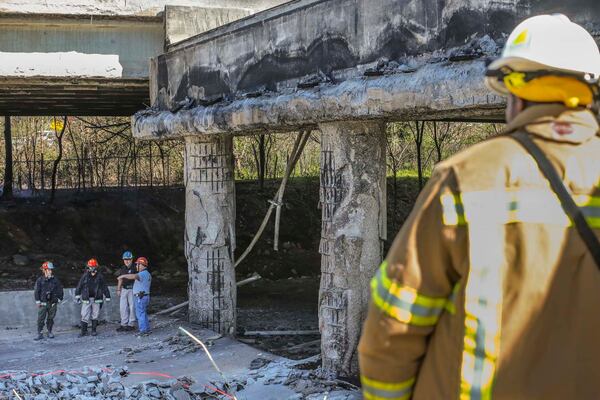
(266, 305)
(164, 365)
(102, 225)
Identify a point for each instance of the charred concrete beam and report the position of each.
(255, 65)
(434, 91)
(353, 203)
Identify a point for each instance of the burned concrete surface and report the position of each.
(441, 90)
(353, 204)
(210, 232)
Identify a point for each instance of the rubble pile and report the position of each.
(182, 344)
(95, 383)
(308, 382)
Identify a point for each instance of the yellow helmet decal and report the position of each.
(521, 38)
(550, 89)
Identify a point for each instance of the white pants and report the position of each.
(90, 310)
(127, 307)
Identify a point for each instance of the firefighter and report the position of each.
(91, 291)
(491, 290)
(48, 292)
(141, 292)
(125, 293)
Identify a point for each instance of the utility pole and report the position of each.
(7, 192)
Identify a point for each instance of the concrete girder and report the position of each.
(451, 91)
(353, 202)
(261, 59)
(210, 232)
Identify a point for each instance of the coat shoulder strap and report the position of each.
(567, 202)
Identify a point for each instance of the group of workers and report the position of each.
(133, 289)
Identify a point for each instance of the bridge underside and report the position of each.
(72, 96)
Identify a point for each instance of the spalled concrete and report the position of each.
(18, 309)
(353, 203)
(210, 231)
(434, 91)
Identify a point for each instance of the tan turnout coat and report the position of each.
(488, 292)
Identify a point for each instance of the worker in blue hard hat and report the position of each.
(125, 293)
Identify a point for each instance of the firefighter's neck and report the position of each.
(48, 274)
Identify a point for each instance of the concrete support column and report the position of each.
(210, 231)
(353, 202)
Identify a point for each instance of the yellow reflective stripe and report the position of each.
(377, 390)
(403, 303)
(587, 201)
(452, 210)
(408, 294)
(529, 206)
(483, 306)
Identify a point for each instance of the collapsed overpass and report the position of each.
(344, 67)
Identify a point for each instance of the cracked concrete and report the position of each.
(353, 202)
(210, 232)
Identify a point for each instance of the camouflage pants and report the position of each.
(46, 314)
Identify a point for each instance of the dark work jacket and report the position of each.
(92, 286)
(128, 283)
(48, 290)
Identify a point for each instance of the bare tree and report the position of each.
(59, 142)
(7, 191)
(417, 132)
(261, 149)
(440, 132)
(397, 148)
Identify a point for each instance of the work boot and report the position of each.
(50, 335)
(94, 325)
(83, 329)
(130, 328)
(122, 328)
(40, 336)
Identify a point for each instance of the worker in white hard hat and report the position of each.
(491, 290)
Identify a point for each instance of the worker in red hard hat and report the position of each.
(91, 291)
(141, 292)
(48, 292)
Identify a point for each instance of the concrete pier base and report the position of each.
(353, 202)
(210, 231)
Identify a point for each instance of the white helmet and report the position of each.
(547, 43)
